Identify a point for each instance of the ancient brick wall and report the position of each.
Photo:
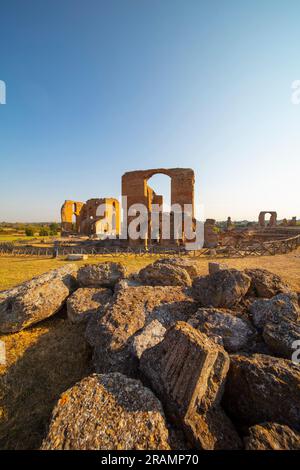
(86, 215)
(68, 210)
(137, 191)
(273, 218)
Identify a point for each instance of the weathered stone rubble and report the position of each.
(224, 288)
(132, 308)
(164, 274)
(281, 337)
(262, 388)
(176, 338)
(150, 336)
(186, 263)
(230, 331)
(187, 370)
(87, 301)
(265, 284)
(272, 436)
(280, 307)
(37, 299)
(104, 412)
(279, 320)
(101, 275)
(215, 267)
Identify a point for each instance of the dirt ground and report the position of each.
(50, 357)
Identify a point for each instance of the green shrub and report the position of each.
(54, 227)
(43, 232)
(29, 232)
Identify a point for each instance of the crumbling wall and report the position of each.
(109, 222)
(211, 236)
(68, 210)
(137, 191)
(86, 216)
(273, 219)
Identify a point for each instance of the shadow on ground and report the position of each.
(55, 357)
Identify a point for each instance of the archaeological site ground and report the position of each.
(113, 343)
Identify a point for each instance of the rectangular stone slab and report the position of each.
(187, 370)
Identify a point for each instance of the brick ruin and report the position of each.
(135, 187)
(81, 218)
(69, 210)
(211, 237)
(87, 222)
(273, 219)
(137, 191)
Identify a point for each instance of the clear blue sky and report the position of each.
(96, 88)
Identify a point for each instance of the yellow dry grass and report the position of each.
(14, 270)
(46, 359)
(13, 238)
(42, 362)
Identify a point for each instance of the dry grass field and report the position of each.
(14, 270)
(46, 359)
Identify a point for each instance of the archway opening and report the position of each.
(160, 204)
(161, 185)
(267, 218)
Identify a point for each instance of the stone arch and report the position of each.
(262, 219)
(135, 188)
(156, 204)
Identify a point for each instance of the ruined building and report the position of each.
(273, 219)
(83, 218)
(135, 188)
(150, 222)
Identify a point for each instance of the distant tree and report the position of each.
(53, 228)
(44, 232)
(20, 227)
(29, 232)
